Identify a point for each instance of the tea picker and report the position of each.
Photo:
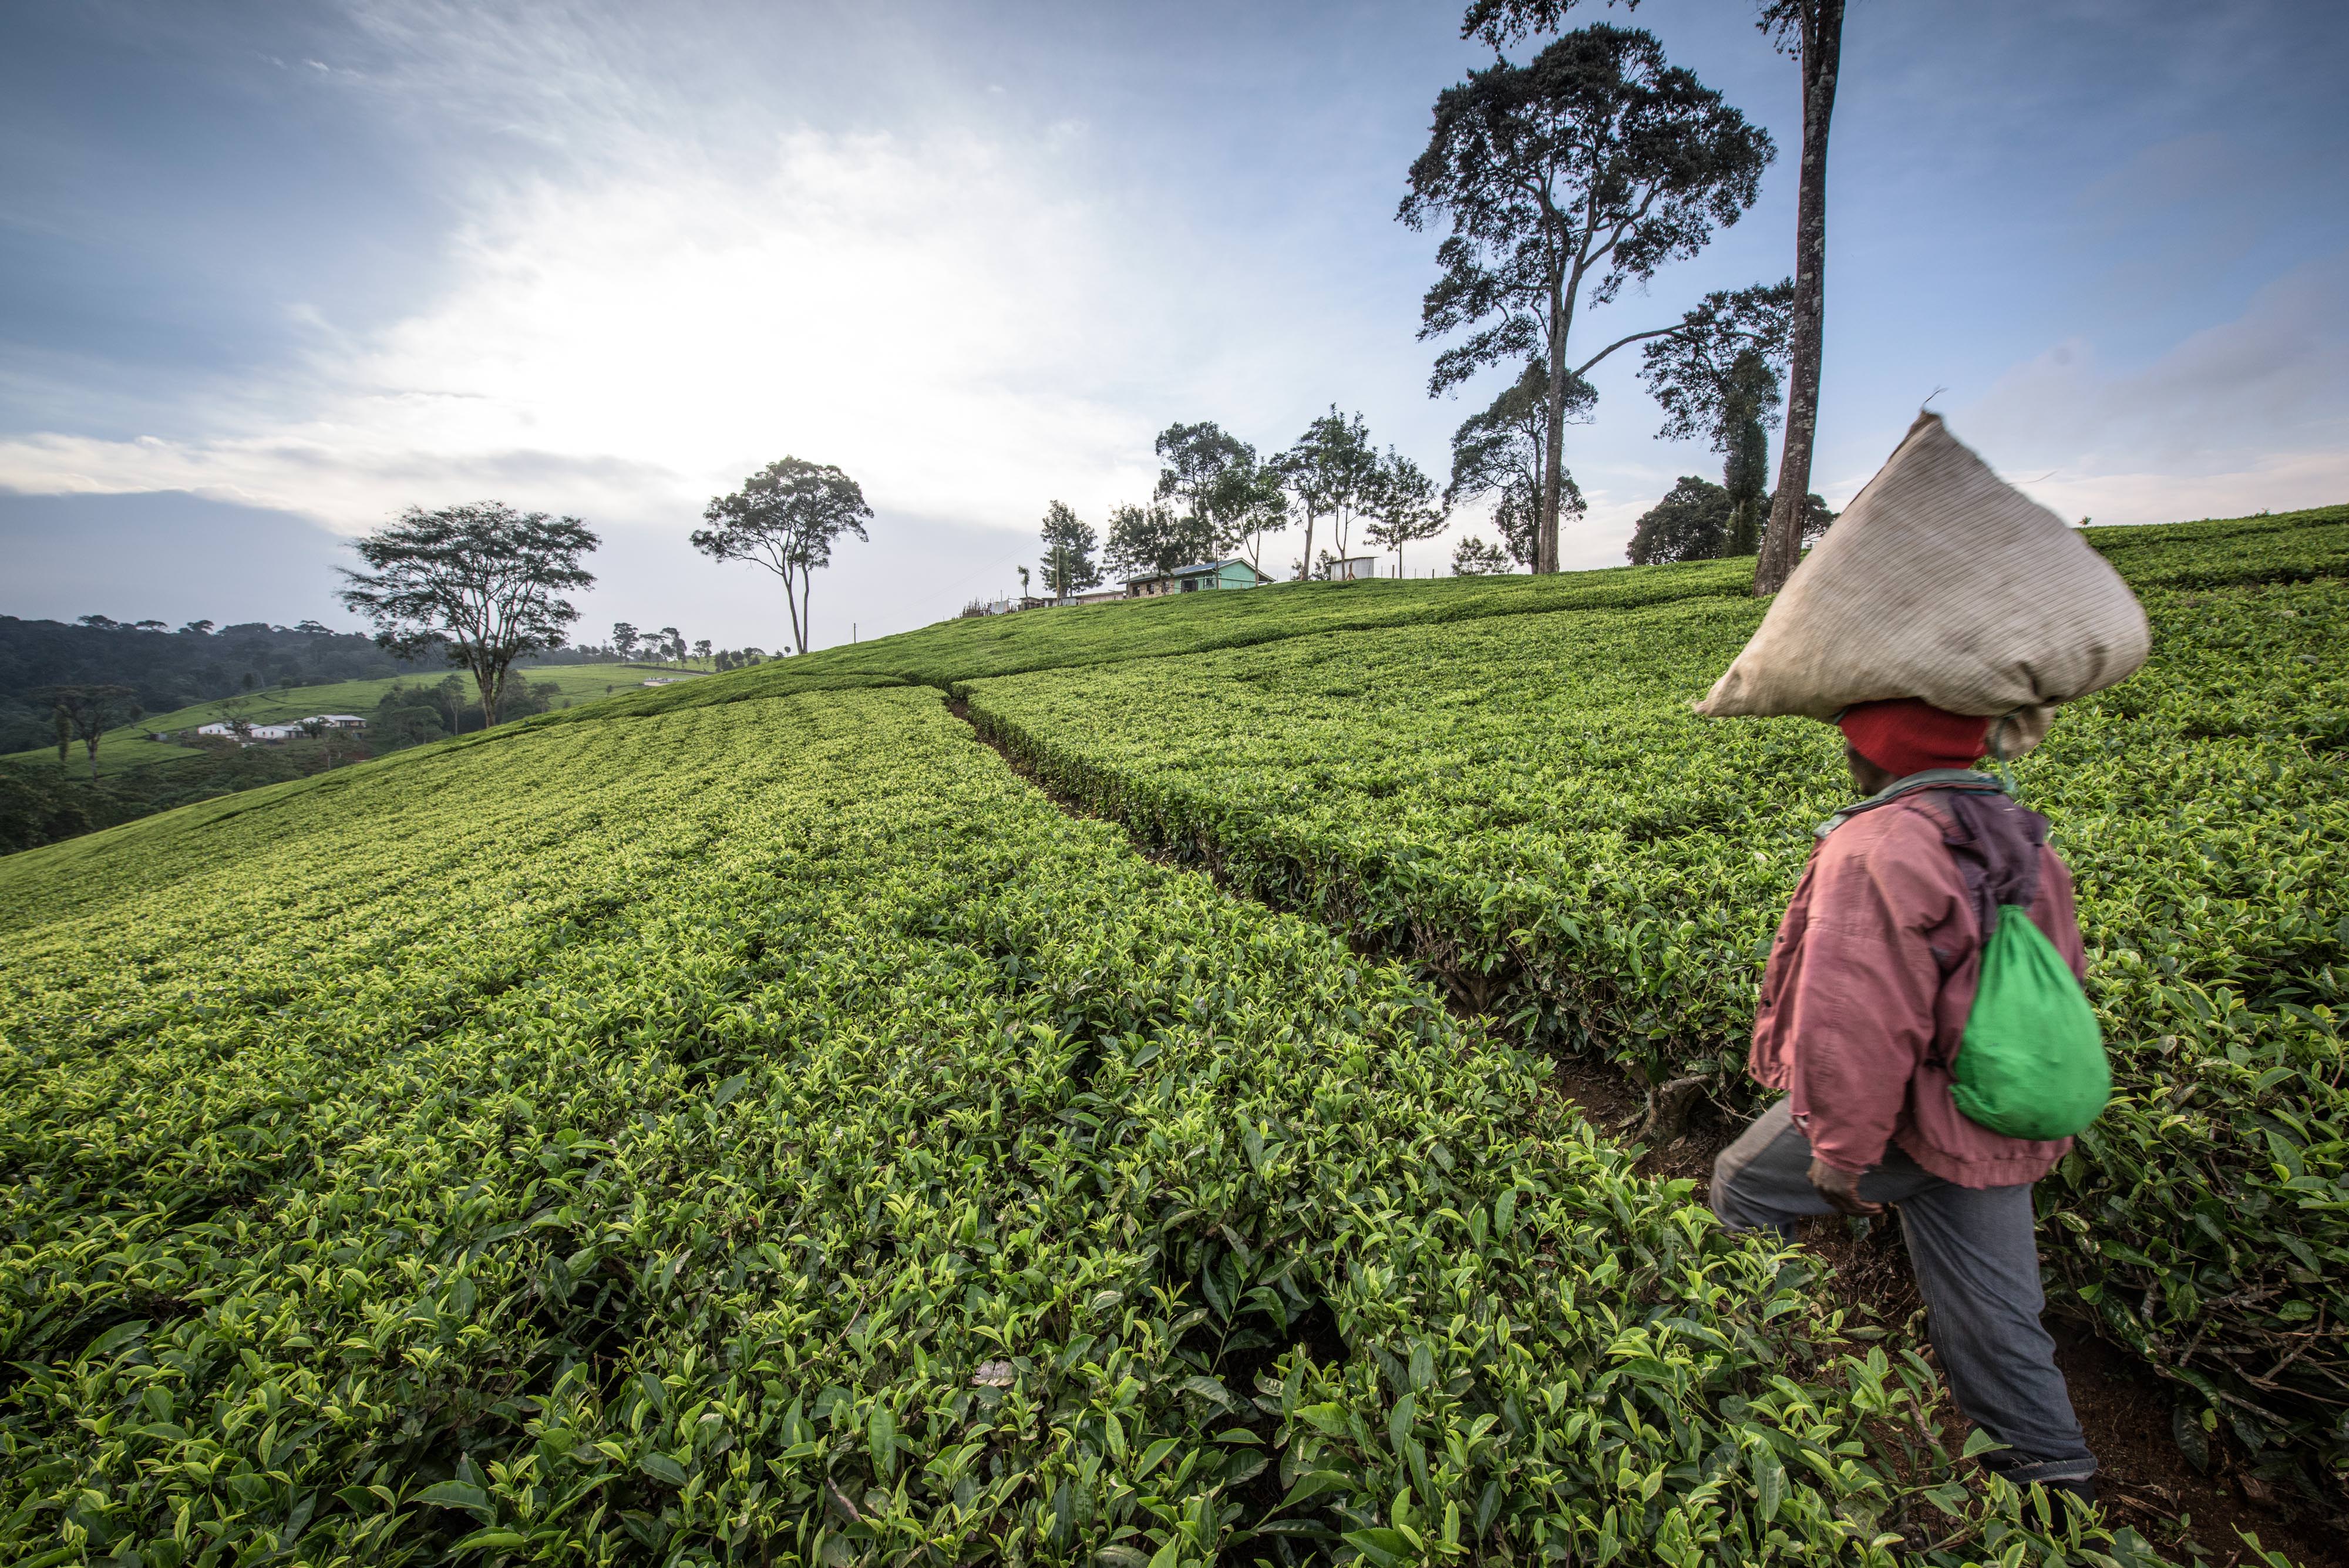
(1921, 1011)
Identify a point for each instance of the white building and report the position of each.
(286, 732)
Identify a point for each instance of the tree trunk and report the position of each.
(791, 603)
(1782, 547)
(1305, 567)
(1553, 442)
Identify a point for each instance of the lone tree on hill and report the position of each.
(1403, 506)
(624, 640)
(483, 582)
(1811, 31)
(1500, 452)
(85, 713)
(1561, 181)
(1717, 378)
(786, 518)
(1069, 545)
(1333, 472)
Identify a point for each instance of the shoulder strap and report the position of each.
(1944, 778)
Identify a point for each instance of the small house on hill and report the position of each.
(1195, 578)
(1350, 569)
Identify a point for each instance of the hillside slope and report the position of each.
(745, 1120)
(1529, 811)
(129, 746)
(773, 1131)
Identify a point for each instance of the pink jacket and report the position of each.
(1866, 996)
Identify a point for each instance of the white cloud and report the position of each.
(2254, 412)
(927, 314)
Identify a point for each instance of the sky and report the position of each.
(270, 273)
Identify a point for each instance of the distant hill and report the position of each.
(41, 802)
(170, 668)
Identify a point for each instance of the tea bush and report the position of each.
(771, 1132)
(1526, 808)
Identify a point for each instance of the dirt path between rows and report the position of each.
(2122, 1406)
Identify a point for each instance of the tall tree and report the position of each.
(1696, 521)
(624, 640)
(1252, 504)
(672, 643)
(1717, 378)
(1150, 541)
(86, 712)
(1812, 32)
(1333, 470)
(1197, 463)
(483, 583)
(702, 649)
(1069, 545)
(786, 518)
(1561, 181)
(1403, 506)
(1499, 453)
(1689, 523)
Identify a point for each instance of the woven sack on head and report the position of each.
(1940, 581)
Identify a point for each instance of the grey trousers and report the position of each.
(1977, 1266)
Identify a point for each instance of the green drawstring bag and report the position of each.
(2032, 1061)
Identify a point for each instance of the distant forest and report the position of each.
(196, 663)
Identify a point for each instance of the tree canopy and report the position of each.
(1476, 557)
(1499, 453)
(786, 518)
(1560, 181)
(1069, 545)
(1403, 506)
(481, 582)
(1696, 521)
(1149, 541)
(85, 713)
(1333, 473)
(1716, 378)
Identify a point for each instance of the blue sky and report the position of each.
(274, 271)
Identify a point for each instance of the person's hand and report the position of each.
(1841, 1189)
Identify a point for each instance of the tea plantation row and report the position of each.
(771, 1132)
(1525, 807)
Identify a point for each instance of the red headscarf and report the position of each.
(1907, 736)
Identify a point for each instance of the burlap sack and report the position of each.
(1940, 581)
